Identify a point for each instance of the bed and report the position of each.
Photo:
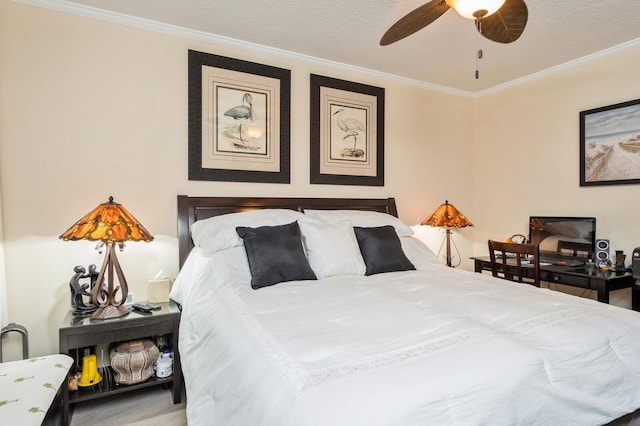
(365, 343)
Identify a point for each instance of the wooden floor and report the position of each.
(154, 406)
(145, 407)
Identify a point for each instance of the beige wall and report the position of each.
(526, 155)
(90, 109)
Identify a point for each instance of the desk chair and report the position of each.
(29, 388)
(515, 262)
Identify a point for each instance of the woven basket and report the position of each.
(132, 361)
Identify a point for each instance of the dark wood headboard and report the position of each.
(191, 209)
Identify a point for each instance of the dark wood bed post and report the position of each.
(184, 236)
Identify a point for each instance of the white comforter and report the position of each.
(436, 346)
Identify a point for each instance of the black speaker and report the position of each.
(635, 263)
(602, 249)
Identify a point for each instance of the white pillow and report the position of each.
(418, 253)
(219, 232)
(361, 218)
(332, 249)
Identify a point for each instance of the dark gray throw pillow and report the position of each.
(275, 254)
(381, 250)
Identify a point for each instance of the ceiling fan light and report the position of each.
(468, 8)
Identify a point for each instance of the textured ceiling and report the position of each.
(443, 54)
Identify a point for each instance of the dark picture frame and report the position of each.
(610, 144)
(239, 120)
(347, 132)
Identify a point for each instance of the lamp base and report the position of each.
(448, 230)
(109, 312)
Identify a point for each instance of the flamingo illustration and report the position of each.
(352, 128)
(242, 112)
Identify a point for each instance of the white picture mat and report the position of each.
(358, 106)
(217, 152)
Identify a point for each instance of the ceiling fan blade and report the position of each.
(414, 21)
(507, 24)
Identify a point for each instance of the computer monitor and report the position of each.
(564, 236)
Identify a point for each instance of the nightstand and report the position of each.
(81, 332)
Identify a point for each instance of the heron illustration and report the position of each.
(352, 128)
(242, 112)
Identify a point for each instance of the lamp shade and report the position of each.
(448, 216)
(110, 222)
(472, 9)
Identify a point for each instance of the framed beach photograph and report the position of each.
(347, 132)
(610, 144)
(239, 120)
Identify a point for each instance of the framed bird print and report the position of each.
(239, 120)
(347, 132)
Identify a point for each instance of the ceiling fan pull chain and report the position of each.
(479, 55)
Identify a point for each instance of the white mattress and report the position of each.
(435, 346)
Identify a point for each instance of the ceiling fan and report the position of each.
(502, 21)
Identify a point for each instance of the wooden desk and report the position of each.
(588, 277)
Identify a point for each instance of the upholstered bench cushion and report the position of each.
(28, 387)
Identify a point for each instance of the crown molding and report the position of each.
(632, 44)
(173, 30)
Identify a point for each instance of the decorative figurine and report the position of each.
(80, 290)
